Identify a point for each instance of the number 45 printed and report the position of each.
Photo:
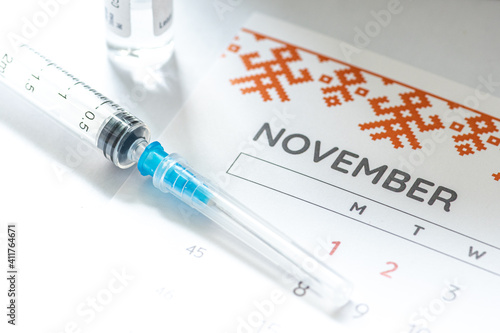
(196, 251)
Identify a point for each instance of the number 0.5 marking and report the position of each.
(90, 116)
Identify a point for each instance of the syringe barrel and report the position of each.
(79, 108)
(304, 274)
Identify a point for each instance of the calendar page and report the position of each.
(387, 174)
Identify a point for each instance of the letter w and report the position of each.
(475, 253)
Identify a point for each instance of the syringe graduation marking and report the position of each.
(86, 86)
(105, 102)
(122, 138)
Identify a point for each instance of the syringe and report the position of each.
(124, 139)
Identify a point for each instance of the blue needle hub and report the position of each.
(171, 174)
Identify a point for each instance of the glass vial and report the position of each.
(139, 32)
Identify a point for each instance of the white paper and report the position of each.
(423, 254)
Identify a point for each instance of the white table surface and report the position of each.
(48, 180)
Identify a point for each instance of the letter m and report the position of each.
(357, 208)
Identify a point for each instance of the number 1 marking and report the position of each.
(386, 273)
(336, 245)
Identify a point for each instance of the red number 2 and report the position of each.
(386, 273)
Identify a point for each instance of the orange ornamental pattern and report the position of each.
(272, 70)
(403, 116)
(474, 132)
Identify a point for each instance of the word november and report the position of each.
(396, 181)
